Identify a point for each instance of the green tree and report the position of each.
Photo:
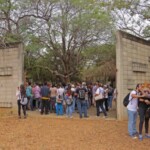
(132, 16)
(100, 63)
(65, 29)
(55, 33)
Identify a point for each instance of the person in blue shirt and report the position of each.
(29, 96)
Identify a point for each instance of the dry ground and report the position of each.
(60, 133)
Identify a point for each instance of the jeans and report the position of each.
(110, 98)
(82, 107)
(106, 103)
(59, 109)
(52, 104)
(99, 104)
(132, 117)
(28, 104)
(19, 109)
(69, 111)
(38, 103)
(73, 104)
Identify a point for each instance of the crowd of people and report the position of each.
(70, 98)
(65, 99)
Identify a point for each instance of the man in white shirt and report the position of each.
(60, 96)
(132, 111)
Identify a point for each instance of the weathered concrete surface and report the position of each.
(11, 73)
(133, 66)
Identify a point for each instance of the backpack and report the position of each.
(82, 94)
(126, 100)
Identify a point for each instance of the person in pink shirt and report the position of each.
(37, 95)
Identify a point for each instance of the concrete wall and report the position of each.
(11, 73)
(133, 66)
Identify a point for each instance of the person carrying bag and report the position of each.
(99, 98)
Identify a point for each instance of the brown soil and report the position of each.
(60, 133)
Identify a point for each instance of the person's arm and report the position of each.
(141, 100)
(134, 95)
(147, 102)
(17, 93)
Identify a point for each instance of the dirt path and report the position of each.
(59, 133)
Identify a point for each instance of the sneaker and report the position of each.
(25, 117)
(136, 134)
(133, 136)
(140, 137)
(147, 136)
(19, 117)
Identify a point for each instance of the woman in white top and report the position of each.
(99, 103)
(21, 100)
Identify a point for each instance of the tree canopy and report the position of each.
(62, 37)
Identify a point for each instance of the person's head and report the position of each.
(69, 85)
(105, 86)
(36, 84)
(73, 86)
(99, 85)
(83, 84)
(68, 89)
(53, 85)
(45, 83)
(59, 85)
(29, 83)
(138, 87)
(22, 89)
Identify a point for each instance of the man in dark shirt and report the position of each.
(45, 94)
(81, 102)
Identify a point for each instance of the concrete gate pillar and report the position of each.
(133, 66)
(11, 73)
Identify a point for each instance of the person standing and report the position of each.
(60, 100)
(45, 96)
(143, 107)
(106, 97)
(69, 102)
(99, 103)
(37, 96)
(29, 96)
(110, 96)
(21, 95)
(53, 95)
(94, 88)
(81, 102)
(73, 89)
(132, 111)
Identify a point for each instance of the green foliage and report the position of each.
(100, 63)
(12, 38)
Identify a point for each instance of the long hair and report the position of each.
(22, 90)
